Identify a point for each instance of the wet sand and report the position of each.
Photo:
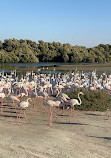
(88, 135)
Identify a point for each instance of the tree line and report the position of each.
(23, 51)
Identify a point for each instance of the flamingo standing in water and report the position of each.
(24, 105)
(2, 95)
(73, 102)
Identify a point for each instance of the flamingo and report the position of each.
(24, 105)
(42, 95)
(2, 95)
(60, 102)
(73, 102)
(13, 99)
(52, 104)
(39, 95)
(34, 96)
(62, 97)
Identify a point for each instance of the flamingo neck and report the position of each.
(28, 99)
(58, 92)
(79, 99)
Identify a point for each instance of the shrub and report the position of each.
(92, 100)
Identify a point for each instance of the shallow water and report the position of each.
(42, 64)
(47, 67)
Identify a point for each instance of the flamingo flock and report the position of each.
(42, 86)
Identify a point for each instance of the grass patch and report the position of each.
(92, 100)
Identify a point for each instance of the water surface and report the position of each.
(52, 67)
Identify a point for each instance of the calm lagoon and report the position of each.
(52, 67)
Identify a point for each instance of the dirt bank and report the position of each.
(88, 135)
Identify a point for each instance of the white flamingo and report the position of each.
(13, 99)
(73, 102)
(2, 95)
(52, 104)
(24, 105)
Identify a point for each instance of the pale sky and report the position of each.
(78, 22)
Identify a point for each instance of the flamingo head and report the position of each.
(29, 99)
(81, 93)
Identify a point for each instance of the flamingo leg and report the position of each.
(26, 117)
(77, 107)
(1, 106)
(33, 112)
(63, 110)
(70, 114)
(109, 116)
(15, 108)
(19, 116)
(11, 110)
(50, 119)
(74, 111)
(43, 109)
(13, 104)
(56, 112)
(34, 106)
(56, 115)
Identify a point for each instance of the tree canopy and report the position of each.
(23, 51)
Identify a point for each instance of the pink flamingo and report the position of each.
(73, 102)
(13, 99)
(24, 105)
(52, 104)
(2, 95)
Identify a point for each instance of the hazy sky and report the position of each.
(78, 22)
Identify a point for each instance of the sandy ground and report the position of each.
(88, 135)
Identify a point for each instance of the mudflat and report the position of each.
(87, 135)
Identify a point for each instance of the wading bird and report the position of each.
(73, 102)
(52, 104)
(24, 105)
(2, 95)
(13, 99)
